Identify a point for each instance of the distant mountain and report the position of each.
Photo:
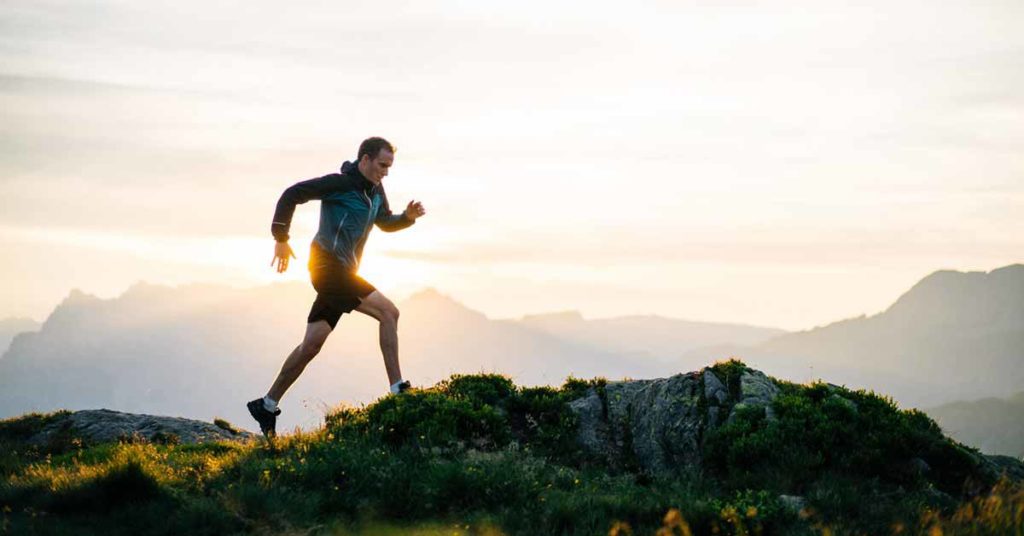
(201, 351)
(9, 327)
(994, 425)
(649, 337)
(953, 335)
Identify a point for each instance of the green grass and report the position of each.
(479, 455)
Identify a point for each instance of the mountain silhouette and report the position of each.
(952, 336)
(994, 425)
(200, 350)
(10, 327)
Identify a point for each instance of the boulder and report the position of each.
(104, 425)
(756, 390)
(659, 424)
(656, 423)
(714, 390)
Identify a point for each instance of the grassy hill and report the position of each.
(479, 455)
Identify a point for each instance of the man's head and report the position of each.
(375, 158)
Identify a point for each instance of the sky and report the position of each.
(785, 164)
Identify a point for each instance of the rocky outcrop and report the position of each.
(104, 425)
(659, 424)
(654, 422)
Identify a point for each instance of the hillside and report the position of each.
(952, 336)
(994, 425)
(479, 455)
(9, 327)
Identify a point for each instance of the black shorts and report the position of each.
(338, 290)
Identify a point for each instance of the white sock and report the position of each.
(270, 404)
(394, 387)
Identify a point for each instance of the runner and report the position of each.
(350, 203)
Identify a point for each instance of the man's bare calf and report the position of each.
(375, 305)
(316, 334)
(381, 308)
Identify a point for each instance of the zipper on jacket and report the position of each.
(369, 214)
(336, 233)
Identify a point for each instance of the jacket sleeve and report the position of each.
(297, 194)
(389, 222)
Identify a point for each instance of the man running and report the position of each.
(350, 203)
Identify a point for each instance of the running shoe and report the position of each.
(266, 418)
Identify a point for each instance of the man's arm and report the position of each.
(389, 222)
(297, 194)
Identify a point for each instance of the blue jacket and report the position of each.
(349, 206)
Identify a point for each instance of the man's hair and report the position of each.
(372, 147)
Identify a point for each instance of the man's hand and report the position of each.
(281, 253)
(414, 210)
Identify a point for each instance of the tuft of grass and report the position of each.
(730, 372)
(21, 428)
(999, 512)
(226, 426)
(15, 452)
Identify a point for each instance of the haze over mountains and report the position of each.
(991, 424)
(201, 351)
(952, 336)
(9, 327)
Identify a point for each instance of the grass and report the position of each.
(479, 455)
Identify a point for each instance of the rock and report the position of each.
(715, 391)
(756, 388)
(104, 426)
(655, 423)
(592, 430)
(713, 416)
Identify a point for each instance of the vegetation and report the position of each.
(479, 455)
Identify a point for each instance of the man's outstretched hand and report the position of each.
(414, 210)
(281, 253)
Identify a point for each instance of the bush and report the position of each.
(484, 412)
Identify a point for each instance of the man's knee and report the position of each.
(314, 340)
(309, 349)
(379, 307)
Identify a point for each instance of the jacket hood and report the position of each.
(351, 168)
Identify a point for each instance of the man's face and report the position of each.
(377, 168)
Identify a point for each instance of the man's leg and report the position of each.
(316, 334)
(381, 308)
